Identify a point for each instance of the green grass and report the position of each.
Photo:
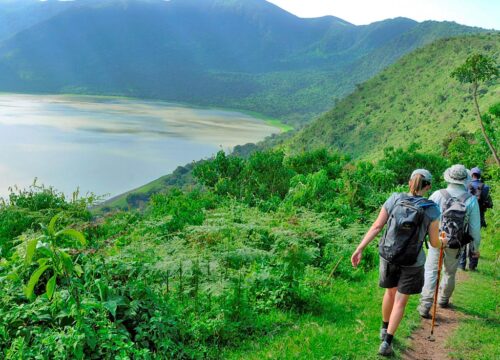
(348, 328)
(280, 125)
(478, 335)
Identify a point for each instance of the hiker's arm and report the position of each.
(376, 227)
(475, 227)
(433, 231)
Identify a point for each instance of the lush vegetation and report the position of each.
(414, 100)
(481, 309)
(476, 70)
(262, 247)
(244, 54)
(243, 256)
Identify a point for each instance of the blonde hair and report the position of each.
(417, 183)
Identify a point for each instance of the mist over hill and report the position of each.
(247, 54)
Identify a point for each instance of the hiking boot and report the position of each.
(472, 269)
(462, 268)
(444, 305)
(424, 311)
(385, 349)
(383, 332)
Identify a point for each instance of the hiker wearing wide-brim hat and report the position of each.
(409, 218)
(457, 174)
(458, 178)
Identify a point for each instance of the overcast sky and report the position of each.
(482, 13)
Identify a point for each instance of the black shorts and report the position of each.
(408, 280)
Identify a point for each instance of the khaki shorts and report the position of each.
(408, 280)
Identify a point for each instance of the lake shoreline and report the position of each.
(122, 143)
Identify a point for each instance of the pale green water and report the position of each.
(108, 145)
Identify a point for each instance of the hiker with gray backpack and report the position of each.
(409, 218)
(460, 224)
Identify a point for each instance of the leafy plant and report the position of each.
(179, 209)
(51, 257)
(476, 70)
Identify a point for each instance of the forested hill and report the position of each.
(246, 54)
(414, 100)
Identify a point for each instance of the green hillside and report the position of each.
(243, 54)
(18, 15)
(252, 259)
(256, 264)
(414, 100)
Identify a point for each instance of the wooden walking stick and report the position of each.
(440, 263)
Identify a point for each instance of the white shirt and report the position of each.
(472, 216)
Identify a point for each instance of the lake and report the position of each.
(109, 145)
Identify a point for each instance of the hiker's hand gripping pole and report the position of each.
(442, 236)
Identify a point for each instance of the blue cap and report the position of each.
(475, 170)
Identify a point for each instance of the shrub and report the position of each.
(179, 208)
(465, 148)
(402, 162)
(313, 190)
(26, 209)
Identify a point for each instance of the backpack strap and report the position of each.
(445, 194)
(426, 203)
(398, 198)
(464, 197)
(480, 191)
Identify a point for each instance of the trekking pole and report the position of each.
(440, 263)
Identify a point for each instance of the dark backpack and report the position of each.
(400, 244)
(484, 201)
(453, 220)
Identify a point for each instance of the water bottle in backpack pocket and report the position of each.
(401, 242)
(453, 220)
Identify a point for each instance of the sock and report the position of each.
(388, 338)
(385, 324)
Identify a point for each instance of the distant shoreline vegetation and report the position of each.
(274, 122)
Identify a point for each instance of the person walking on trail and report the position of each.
(454, 197)
(409, 218)
(482, 192)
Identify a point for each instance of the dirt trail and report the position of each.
(423, 349)
(447, 320)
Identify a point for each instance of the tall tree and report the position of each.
(476, 70)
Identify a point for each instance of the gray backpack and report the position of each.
(401, 244)
(453, 220)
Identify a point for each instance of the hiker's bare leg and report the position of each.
(397, 313)
(388, 303)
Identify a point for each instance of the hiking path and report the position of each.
(447, 321)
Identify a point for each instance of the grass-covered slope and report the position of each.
(413, 100)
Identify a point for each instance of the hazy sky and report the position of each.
(482, 13)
